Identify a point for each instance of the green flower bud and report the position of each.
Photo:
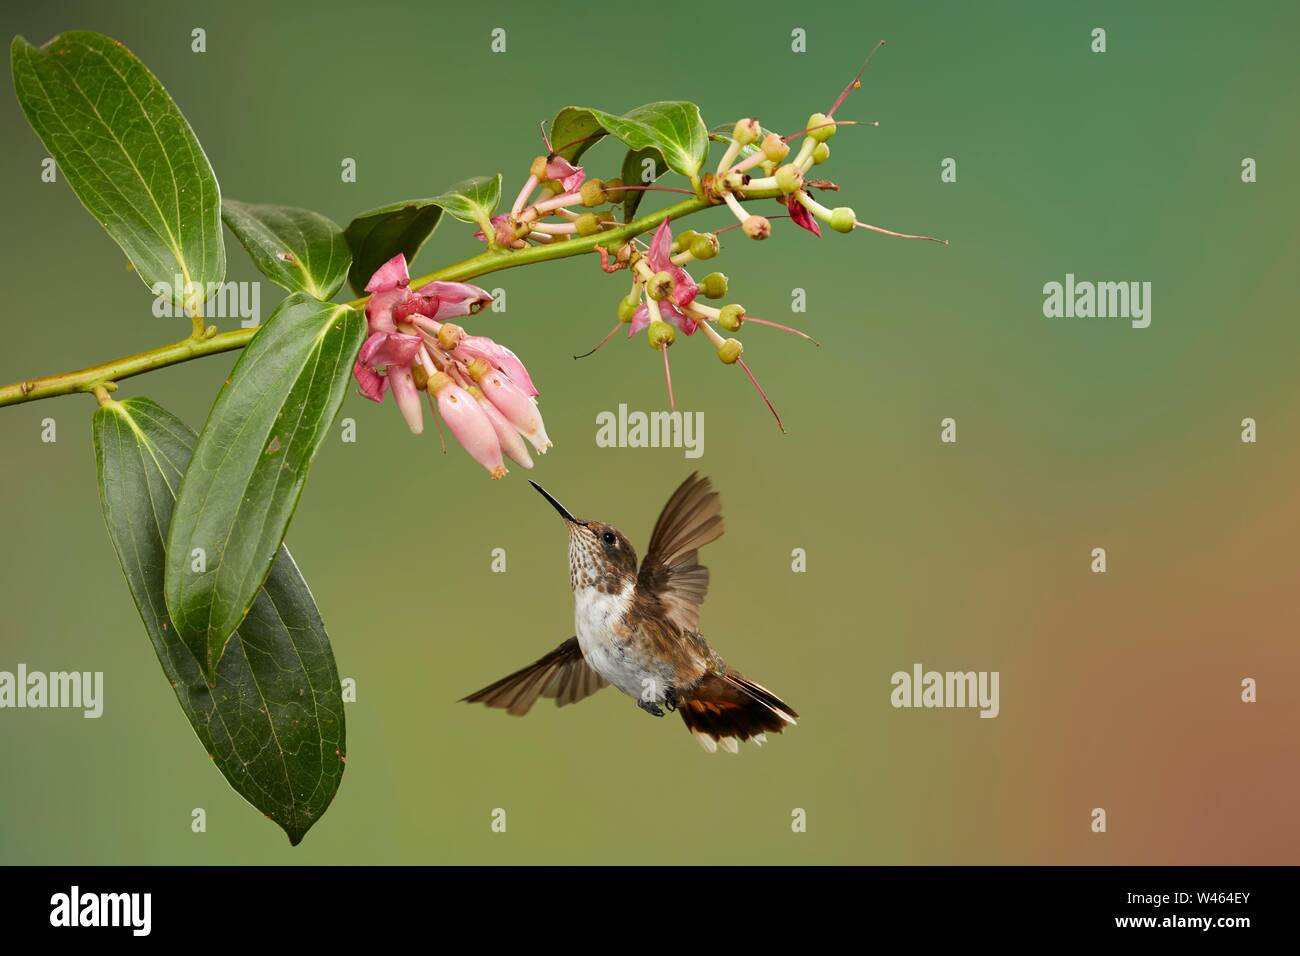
(729, 351)
(731, 316)
(823, 134)
(538, 168)
(683, 240)
(746, 132)
(450, 336)
(789, 178)
(588, 224)
(660, 286)
(704, 245)
(775, 148)
(592, 193)
(714, 285)
(627, 307)
(843, 219)
(661, 335)
(821, 153)
(420, 375)
(615, 190)
(756, 227)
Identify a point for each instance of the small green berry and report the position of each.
(627, 307)
(756, 227)
(683, 240)
(731, 316)
(789, 178)
(660, 286)
(825, 132)
(588, 224)
(615, 190)
(592, 193)
(714, 285)
(775, 148)
(843, 219)
(729, 351)
(821, 153)
(661, 335)
(704, 246)
(747, 131)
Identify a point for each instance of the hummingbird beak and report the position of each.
(564, 512)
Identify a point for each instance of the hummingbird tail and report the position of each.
(723, 710)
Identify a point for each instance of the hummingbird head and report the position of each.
(599, 555)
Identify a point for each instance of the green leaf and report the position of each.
(574, 131)
(675, 129)
(296, 248)
(472, 200)
(378, 235)
(128, 154)
(250, 465)
(633, 174)
(273, 724)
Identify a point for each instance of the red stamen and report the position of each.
(770, 408)
(580, 139)
(783, 328)
(672, 404)
(546, 140)
(857, 80)
(897, 235)
(607, 337)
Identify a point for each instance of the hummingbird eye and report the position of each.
(608, 537)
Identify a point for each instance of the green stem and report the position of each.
(89, 379)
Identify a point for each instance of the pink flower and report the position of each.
(412, 348)
(660, 259)
(670, 314)
(569, 175)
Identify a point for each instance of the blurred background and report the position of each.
(1118, 690)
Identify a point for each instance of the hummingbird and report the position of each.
(638, 629)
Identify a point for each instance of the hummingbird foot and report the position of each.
(650, 707)
(671, 700)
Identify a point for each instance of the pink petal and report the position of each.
(511, 441)
(640, 319)
(373, 385)
(472, 428)
(389, 348)
(454, 298)
(673, 316)
(390, 275)
(661, 247)
(407, 396)
(519, 410)
(569, 175)
(380, 305)
(801, 216)
(504, 360)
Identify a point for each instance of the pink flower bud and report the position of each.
(519, 410)
(569, 175)
(471, 425)
(407, 396)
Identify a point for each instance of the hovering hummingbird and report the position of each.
(639, 630)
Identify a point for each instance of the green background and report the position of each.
(1118, 691)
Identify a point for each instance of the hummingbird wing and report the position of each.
(562, 674)
(670, 570)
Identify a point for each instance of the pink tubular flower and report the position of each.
(468, 422)
(412, 348)
(670, 314)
